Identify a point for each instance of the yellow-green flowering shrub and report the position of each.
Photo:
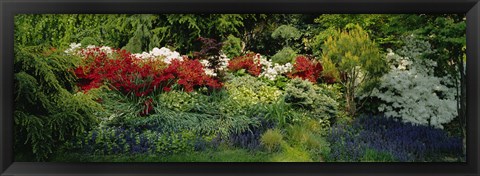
(177, 100)
(248, 90)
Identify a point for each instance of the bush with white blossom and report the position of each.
(271, 70)
(221, 66)
(163, 53)
(412, 92)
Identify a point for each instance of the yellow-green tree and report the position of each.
(354, 61)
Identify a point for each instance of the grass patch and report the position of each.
(224, 155)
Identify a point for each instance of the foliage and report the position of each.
(385, 29)
(411, 92)
(376, 156)
(306, 69)
(47, 111)
(248, 91)
(280, 113)
(291, 154)
(285, 55)
(133, 32)
(211, 155)
(115, 140)
(211, 54)
(107, 104)
(178, 100)
(308, 138)
(305, 95)
(353, 60)
(250, 139)
(57, 30)
(446, 33)
(287, 33)
(272, 140)
(183, 29)
(209, 114)
(404, 141)
(232, 47)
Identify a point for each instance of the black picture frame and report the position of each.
(9, 8)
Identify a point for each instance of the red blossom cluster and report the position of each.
(122, 73)
(247, 62)
(190, 75)
(307, 69)
(130, 75)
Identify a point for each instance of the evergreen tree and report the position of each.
(47, 111)
(353, 60)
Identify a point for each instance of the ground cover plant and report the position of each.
(240, 88)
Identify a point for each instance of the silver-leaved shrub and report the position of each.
(411, 91)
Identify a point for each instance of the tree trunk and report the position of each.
(462, 100)
(350, 97)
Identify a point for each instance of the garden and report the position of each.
(240, 88)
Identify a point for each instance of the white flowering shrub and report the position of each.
(271, 70)
(412, 93)
(76, 49)
(165, 54)
(221, 66)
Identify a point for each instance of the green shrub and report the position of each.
(244, 95)
(297, 134)
(291, 154)
(300, 93)
(89, 41)
(118, 109)
(280, 81)
(280, 113)
(318, 146)
(316, 126)
(287, 33)
(232, 47)
(117, 140)
(305, 95)
(47, 112)
(202, 114)
(285, 55)
(177, 100)
(247, 91)
(309, 136)
(272, 140)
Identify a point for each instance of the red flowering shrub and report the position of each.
(122, 73)
(132, 76)
(189, 75)
(307, 69)
(247, 62)
(128, 74)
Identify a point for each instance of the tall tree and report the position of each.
(354, 60)
(447, 34)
